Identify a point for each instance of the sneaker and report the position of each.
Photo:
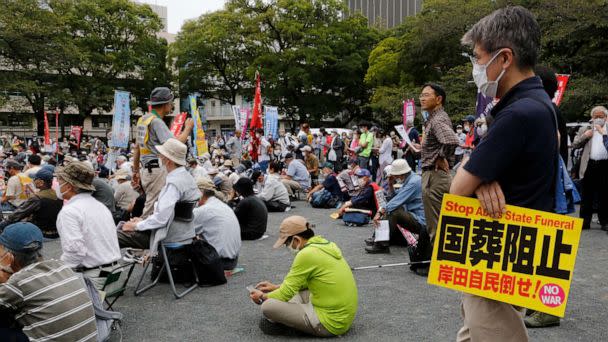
(378, 249)
(369, 241)
(288, 209)
(541, 320)
(134, 255)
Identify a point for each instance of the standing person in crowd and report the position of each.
(45, 298)
(459, 152)
(18, 188)
(319, 294)
(594, 167)
(179, 189)
(335, 151)
(396, 142)
(273, 192)
(506, 45)
(374, 158)
(312, 164)
(353, 146)
(468, 126)
(86, 227)
(438, 148)
(151, 132)
(385, 152)
(42, 208)
(250, 211)
(412, 153)
(366, 143)
(235, 147)
(217, 223)
(264, 150)
(297, 177)
(286, 142)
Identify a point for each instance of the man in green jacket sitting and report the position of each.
(319, 294)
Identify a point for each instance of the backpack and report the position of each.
(324, 200)
(105, 320)
(207, 262)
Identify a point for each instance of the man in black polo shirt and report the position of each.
(515, 162)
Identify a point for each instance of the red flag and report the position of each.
(256, 118)
(47, 134)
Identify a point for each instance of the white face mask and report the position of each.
(599, 122)
(482, 130)
(459, 131)
(467, 129)
(293, 251)
(58, 193)
(257, 135)
(480, 76)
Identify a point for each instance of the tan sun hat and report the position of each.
(78, 174)
(399, 167)
(205, 183)
(174, 150)
(290, 227)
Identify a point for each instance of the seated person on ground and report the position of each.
(327, 194)
(40, 299)
(319, 294)
(297, 176)
(179, 188)
(86, 227)
(348, 180)
(365, 199)
(42, 208)
(250, 211)
(216, 222)
(404, 209)
(273, 192)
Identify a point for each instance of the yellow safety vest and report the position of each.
(143, 135)
(27, 187)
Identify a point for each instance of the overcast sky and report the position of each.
(181, 10)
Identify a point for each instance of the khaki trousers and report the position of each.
(291, 186)
(434, 185)
(489, 320)
(152, 181)
(298, 313)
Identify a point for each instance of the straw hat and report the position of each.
(174, 150)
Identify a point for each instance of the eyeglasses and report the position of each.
(425, 95)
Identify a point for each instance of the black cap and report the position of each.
(160, 95)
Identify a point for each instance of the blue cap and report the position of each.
(45, 174)
(21, 237)
(363, 173)
(217, 181)
(49, 167)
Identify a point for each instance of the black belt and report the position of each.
(84, 269)
(152, 164)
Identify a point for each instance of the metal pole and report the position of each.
(391, 265)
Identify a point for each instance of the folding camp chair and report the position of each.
(116, 283)
(184, 213)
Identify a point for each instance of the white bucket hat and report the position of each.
(174, 150)
(399, 167)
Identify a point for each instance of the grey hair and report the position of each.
(24, 259)
(601, 109)
(511, 27)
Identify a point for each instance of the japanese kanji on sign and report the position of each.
(525, 258)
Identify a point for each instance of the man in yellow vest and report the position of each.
(19, 187)
(152, 131)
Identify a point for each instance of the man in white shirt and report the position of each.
(196, 170)
(594, 167)
(264, 150)
(179, 190)
(85, 226)
(217, 223)
(273, 193)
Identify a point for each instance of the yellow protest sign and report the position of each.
(525, 258)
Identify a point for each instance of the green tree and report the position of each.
(213, 54)
(313, 60)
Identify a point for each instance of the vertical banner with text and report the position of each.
(409, 111)
(200, 143)
(525, 258)
(178, 123)
(121, 123)
(562, 81)
(271, 122)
